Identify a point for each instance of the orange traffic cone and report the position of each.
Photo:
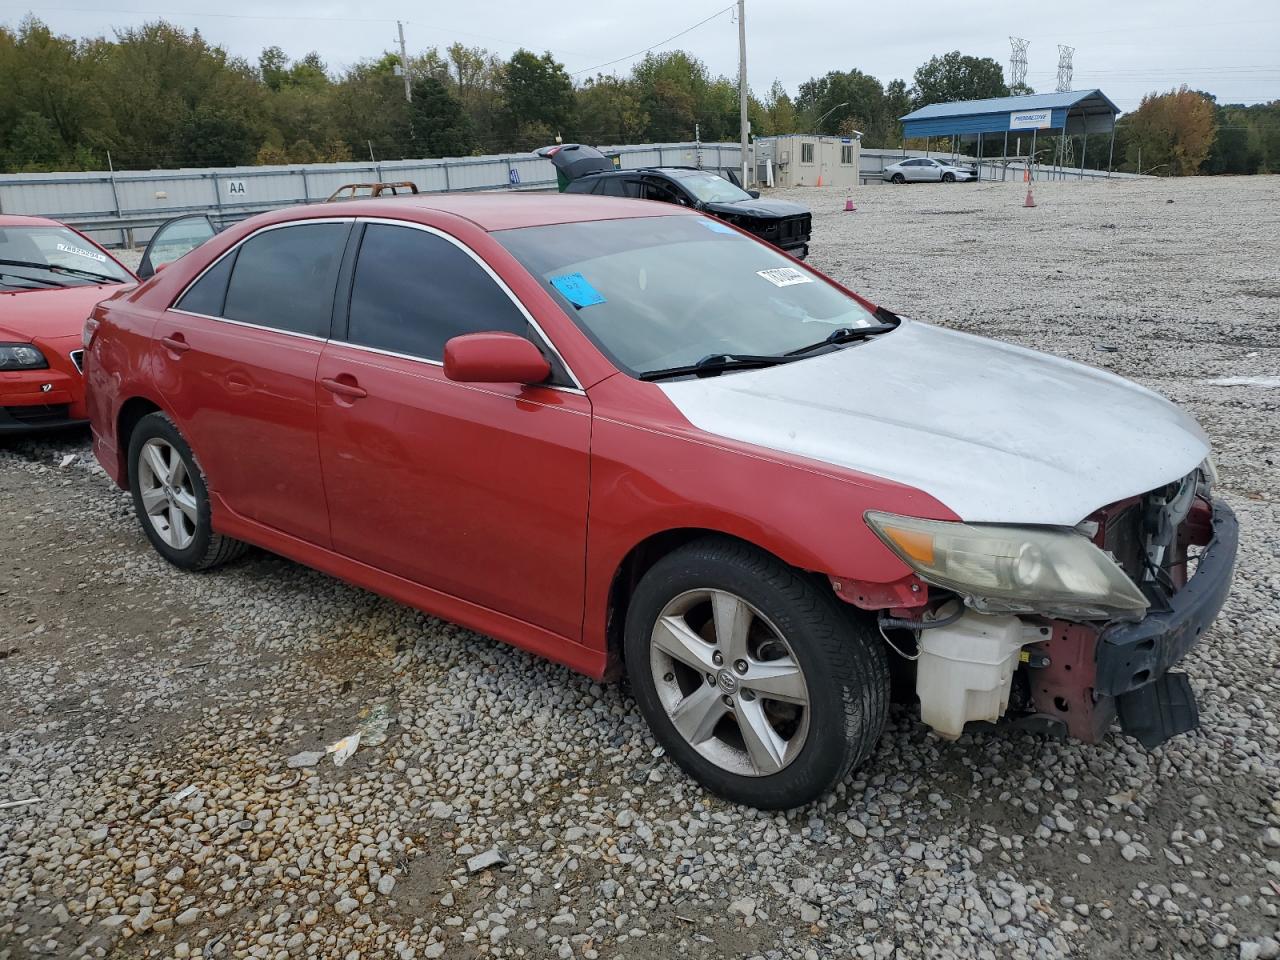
(1026, 174)
(819, 183)
(1030, 201)
(848, 205)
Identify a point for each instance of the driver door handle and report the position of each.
(349, 390)
(177, 343)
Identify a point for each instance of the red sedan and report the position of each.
(50, 278)
(628, 437)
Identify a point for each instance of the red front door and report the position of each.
(475, 490)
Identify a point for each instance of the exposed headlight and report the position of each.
(21, 356)
(1013, 569)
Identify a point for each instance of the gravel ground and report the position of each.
(517, 810)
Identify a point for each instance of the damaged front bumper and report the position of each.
(1077, 678)
(1093, 675)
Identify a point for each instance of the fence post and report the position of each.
(306, 192)
(217, 195)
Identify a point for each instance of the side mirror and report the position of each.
(494, 358)
(753, 194)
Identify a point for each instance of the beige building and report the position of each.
(807, 160)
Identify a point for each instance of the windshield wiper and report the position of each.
(842, 335)
(56, 268)
(19, 276)
(718, 363)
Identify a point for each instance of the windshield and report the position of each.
(32, 257)
(661, 292)
(710, 188)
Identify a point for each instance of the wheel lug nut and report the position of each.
(728, 700)
(748, 696)
(717, 658)
(668, 677)
(740, 666)
(711, 679)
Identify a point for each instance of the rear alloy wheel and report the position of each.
(171, 497)
(898, 178)
(755, 681)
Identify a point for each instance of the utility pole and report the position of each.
(404, 64)
(742, 89)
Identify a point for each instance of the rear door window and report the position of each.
(284, 278)
(621, 187)
(414, 290)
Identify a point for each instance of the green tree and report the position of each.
(672, 90)
(438, 125)
(954, 76)
(538, 98)
(779, 110)
(609, 111)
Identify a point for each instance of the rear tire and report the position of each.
(898, 179)
(171, 498)
(759, 685)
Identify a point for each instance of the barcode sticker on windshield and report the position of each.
(82, 252)
(784, 276)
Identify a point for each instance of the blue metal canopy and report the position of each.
(1073, 112)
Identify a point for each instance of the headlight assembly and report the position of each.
(21, 356)
(1013, 569)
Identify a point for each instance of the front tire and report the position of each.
(171, 498)
(755, 680)
(948, 178)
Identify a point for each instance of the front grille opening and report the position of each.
(39, 413)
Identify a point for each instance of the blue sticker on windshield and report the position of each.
(715, 226)
(577, 290)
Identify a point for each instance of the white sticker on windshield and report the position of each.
(784, 276)
(82, 252)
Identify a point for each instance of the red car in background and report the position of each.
(626, 436)
(50, 278)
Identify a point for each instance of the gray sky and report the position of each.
(1125, 47)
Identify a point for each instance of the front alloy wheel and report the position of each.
(729, 682)
(758, 682)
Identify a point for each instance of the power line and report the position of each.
(663, 43)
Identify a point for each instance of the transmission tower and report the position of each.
(1064, 67)
(1018, 62)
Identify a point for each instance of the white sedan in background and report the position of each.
(926, 169)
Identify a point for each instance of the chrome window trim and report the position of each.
(389, 221)
(253, 326)
(232, 249)
(77, 357)
(502, 285)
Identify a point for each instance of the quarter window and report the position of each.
(208, 295)
(414, 290)
(846, 155)
(806, 153)
(284, 278)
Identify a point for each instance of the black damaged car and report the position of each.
(784, 224)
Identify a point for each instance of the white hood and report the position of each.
(998, 433)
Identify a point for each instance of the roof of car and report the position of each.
(511, 210)
(17, 220)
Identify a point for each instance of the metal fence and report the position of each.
(871, 164)
(121, 208)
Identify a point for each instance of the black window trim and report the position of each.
(234, 251)
(345, 297)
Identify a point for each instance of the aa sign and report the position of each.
(1030, 119)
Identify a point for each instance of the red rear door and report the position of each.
(476, 490)
(236, 359)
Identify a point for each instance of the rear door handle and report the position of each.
(352, 390)
(176, 343)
